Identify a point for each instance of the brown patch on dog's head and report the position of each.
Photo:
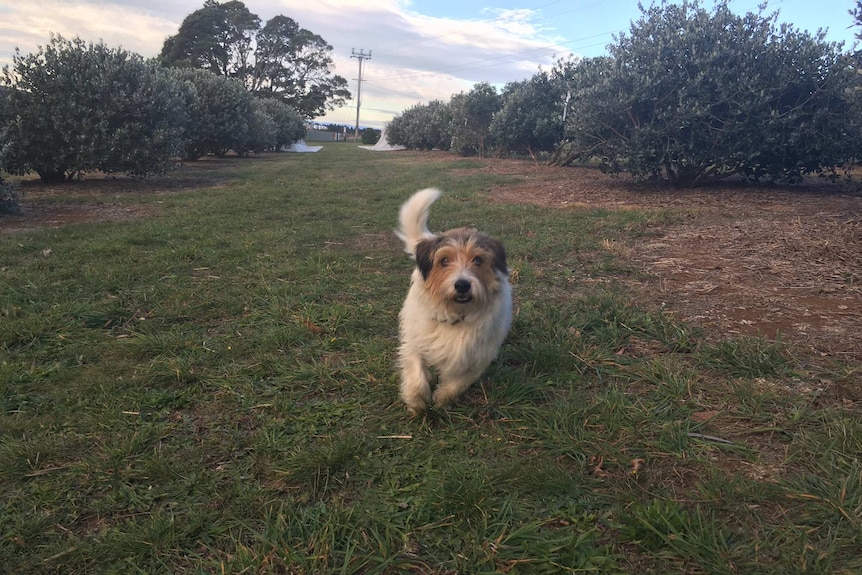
(496, 248)
(424, 254)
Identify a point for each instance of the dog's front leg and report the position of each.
(415, 384)
(452, 386)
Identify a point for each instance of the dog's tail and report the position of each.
(413, 218)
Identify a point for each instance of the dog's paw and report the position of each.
(443, 397)
(416, 408)
(414, 412)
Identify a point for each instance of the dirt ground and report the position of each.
(97, 198)
(759, 260)
(779, 262)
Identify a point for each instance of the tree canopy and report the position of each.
(217, 37)
(279, 59)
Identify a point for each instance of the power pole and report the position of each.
(361, 55)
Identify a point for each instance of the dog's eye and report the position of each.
(478, 261)
(444, 262)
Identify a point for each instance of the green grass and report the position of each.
(210, 388)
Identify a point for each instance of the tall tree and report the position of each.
(217, 37)
(295, 65)
(280, 60)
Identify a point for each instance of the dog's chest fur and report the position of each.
(451, 340)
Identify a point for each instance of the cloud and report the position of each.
(29, 25)
(415, 57)
(520, 22)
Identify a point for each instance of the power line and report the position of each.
(496, 60)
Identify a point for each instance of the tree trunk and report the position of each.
(52, 176)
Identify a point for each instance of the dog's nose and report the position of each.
(462, 286)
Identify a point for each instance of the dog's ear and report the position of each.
(424, 254)
(496, 247)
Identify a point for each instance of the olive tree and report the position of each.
(531, 117)
(695, 95)
(74, 107)
(9, 194)
(221, 113)
(422, 127)
(261, 131)
(289, 125)
(472, 113)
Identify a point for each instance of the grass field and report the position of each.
(209, 388)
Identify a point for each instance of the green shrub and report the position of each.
(75, 107)
(472, 113)
(289, 125)
(693, 96)
(220, 113)
(530, 119)
(370, 136)
(422, 127)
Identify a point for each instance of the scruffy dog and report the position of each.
(458, 309)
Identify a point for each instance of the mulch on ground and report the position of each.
(777, 262)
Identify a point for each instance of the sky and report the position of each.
(421, 50)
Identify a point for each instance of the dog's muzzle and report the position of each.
(462, 292)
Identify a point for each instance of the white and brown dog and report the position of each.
(458, 309)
